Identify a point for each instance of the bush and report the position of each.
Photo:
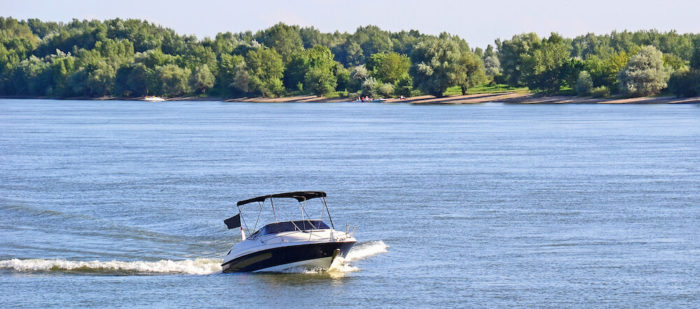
(584, 84)
(370, 87)
(354, 95)
(359, 73)
(386, 90)
(500, 79)
(600, 92)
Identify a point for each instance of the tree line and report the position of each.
(133, 58)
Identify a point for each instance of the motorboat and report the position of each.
(304, 243)
(153, 99)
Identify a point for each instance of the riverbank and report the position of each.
(502, 97)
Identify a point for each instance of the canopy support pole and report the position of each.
(274, 214)
(242, 231)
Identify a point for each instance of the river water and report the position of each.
(120, 204)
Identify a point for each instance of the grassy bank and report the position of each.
(484, 89)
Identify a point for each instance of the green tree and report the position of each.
(154, 57)
(95, 58)
(359, 73)
(685, 83)
(571, 70)
(644, 74)
(229, 67)
(241, 80)
(370, 87)
(604, 71)
(296, 69)
(544, 66)
(62, 67)
(320, 78)
(27, 77)
(471, 71)
(492, 65)
(584, 84)
(386, 90)
(389, 67)
(350, 53)
(511, 54)
(100, 79)
(319, 81)
(674, 62)
(436, 64)
(312, 70)
(173, 80)
(202, 79)
(284, 39)
(404, 87)
(695, 59)
(372, 40)
(196, 55)
(137, 81)
(342, 77)
(265, 69)
(131, 80)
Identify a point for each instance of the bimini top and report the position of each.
(300, 196)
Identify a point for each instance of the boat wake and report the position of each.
(190, 267)
(358, 252)
(364, 250)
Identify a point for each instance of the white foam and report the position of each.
(365, 250)
(193, 267)
(358, 252)
(341, 266)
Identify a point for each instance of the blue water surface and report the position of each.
(491, 205)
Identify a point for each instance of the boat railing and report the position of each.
(347, 230)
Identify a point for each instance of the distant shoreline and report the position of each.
(503, 97)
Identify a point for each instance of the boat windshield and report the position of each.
(289, 226)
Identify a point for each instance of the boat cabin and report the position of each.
(290, 226)
(306, 224)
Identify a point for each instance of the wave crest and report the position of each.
(192, 267)
(364, 250)
(358, 252)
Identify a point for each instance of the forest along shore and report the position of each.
(134, 58)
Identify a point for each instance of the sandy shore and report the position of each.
(503, 97)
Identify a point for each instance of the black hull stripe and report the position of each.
(285, 255)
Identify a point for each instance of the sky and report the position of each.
(479, 22)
